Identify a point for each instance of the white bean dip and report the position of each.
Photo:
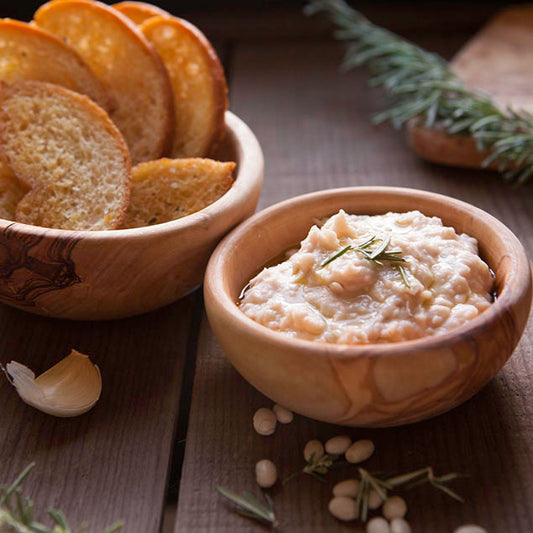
(440, 284)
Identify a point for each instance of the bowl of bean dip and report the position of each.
(369, 306)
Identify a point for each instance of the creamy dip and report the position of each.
(427, 280)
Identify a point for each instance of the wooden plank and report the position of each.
(111, 463)
(313, 124)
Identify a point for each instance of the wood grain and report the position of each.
(313, 124)
(112, 462)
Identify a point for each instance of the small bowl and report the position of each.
(95, 275)
(377, 384)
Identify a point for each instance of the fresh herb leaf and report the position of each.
(249, 506)
(16, 511)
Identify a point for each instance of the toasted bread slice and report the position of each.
(168, 189)
(29, 53)
(126, 62)
(12, 191)
(138, 12)
(68, 151)
(198, 83)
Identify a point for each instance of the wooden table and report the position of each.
(174, 420)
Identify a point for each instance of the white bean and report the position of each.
(266, 473)
(377, 525)
(374, 500)
(338, 445)
(348, 487)
(313, 450)
(283, 415)
(394, 507)
(360, 451)
(470, 528)
(264, 421)
(399, 525)
(343, 508)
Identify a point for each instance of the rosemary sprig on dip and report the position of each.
(248, 505)
(423, 85)
(376, 255)
(16, 512)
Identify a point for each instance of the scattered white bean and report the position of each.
(266, 473)
(399, 525)
(343, 508)
(470, 528)
(264, 421)
(348, 487)
(394, 507)
(360, 451)
(374, 500)
(377, 525)
(338, 445)
(313, 450)
(283, 415)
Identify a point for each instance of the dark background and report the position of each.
(23, 10)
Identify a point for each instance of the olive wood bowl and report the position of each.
(95, 275)
(376, 384)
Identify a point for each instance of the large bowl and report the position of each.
(112, 274)
(367, 385)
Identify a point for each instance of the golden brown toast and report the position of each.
(198, 84)
(12, 191)
(138, 12)
(125, 61)
(29, 53)
(65, 147)
(168, 189)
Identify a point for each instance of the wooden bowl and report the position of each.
(377, 384)
(96, 275)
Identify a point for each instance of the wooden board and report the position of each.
(111, 463)
(498, 60)
(314, 127)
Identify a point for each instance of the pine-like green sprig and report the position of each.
(423, 85)
(16, 512)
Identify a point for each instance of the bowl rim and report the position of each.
(506, 300)
(250, 158)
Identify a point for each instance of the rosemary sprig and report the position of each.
(317, 467)
(423, 85)
(376, 255)
(16, 512)
(383, 485)
(249, 506)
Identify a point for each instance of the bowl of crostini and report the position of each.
(121, 168)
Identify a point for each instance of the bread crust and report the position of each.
(40, 182)
(143, 92)
(204, 53)
(32, 53)
(138, 12)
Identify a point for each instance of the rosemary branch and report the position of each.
(423, 84)
(377, 255)
(16, 512)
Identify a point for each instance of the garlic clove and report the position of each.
(69, 388)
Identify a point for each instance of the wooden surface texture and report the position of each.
(128, 456)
